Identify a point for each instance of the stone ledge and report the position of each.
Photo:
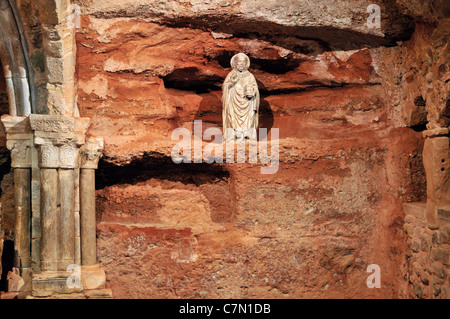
(443, 213)
(59, 124)
(416, 209)
(16, 124)
(98, 294)
(436, 132)
(60, 296)
(49, 283)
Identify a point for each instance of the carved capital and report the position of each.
(48, 155)
(58, 152)
(18, 140)
(91, 152)
(20, 152)
(58, 139)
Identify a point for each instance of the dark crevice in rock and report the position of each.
(189, 79)
(279, 66)
(396, 29)
(330, 38)
(419, 127)
(396, 25)
(160, 167)
(419, 115)
(419, 101)
(446, 113)
(308, 86)
(273, 66)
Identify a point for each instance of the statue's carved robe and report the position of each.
(239, 112)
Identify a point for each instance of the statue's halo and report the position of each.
(236, 56)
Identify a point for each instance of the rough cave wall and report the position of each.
(350, 148)
(225, 230)
(418, 90)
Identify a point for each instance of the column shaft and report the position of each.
(66, 219)
(22, 184)
(49, 219)
(87, 217)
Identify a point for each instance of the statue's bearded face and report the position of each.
(240, 64)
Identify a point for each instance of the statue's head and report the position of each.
(240, 62)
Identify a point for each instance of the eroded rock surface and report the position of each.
(350, 103)
(225, 230)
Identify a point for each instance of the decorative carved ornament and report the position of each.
(57, 153)
(52, 123)
(20, 153)
(91, 152)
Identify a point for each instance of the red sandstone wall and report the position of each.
(418, 89)
(226, 231)
(347, 157)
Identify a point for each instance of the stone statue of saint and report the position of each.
(240, 101)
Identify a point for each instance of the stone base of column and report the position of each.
(98, 294)
(88, 294)
(60, 296)
(26, 274)
(93, 277)
(49, 283)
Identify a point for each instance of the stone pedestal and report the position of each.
(49, 283)
(93, 277)
(436, 160)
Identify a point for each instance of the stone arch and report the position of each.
(58, 95)
(14, 57)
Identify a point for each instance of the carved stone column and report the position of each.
(19, 142)
(58, 140)
(93, 274)
(63, 191)
(90, 155)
